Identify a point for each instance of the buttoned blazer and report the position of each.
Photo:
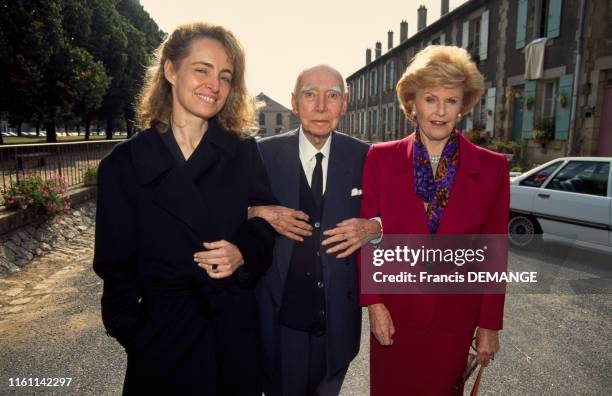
(478, 204)
(343, 327)
(152, 216)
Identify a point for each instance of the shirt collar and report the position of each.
(308, 151)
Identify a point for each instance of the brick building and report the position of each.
(274, 118)
(572, 95)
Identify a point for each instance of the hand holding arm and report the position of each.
(286, 221)
(351, 235)
(220, 260)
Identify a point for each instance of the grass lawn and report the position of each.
(60, 139)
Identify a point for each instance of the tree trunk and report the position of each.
(50, 128)
(19, 128)
(109, 128)
(130, 127)
(87, 127)
(78, 129)
(37, 128)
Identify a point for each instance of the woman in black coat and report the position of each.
(188, 323)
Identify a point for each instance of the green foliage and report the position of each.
(49, 197)
(90, 176)
(504, 146)
(72, 59)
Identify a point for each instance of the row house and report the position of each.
(547, 66)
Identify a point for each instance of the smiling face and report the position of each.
(202, 81)
(437, 111)
(319, 101)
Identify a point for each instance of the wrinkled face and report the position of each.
(202, 81)
(320, 102)
(437, 111)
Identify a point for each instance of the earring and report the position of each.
(414, 113)
(459, 117)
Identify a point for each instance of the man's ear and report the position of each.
(169, 72)
(294, 105)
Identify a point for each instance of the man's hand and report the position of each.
(487, 344)
(381, 324)
(288, 222)
(220, 260)
(350, 235)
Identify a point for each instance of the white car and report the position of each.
(568, 200)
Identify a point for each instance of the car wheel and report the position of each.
(523, 230)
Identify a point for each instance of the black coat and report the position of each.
(184, 332)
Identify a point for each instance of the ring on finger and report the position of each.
(214, 268)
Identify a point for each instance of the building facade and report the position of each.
(570, 96)
(274, 118)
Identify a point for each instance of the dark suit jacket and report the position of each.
(346, 159)
(183, 331)
(478, 204)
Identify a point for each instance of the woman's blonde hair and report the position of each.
(440, 66)
(155, 100)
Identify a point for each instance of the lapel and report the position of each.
(463, 200)
(337, 185)
(174, 187)
(287, 166)
(409, 207)
(405, 203)
(337, 189)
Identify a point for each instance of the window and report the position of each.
(373, 84)
(474, 38)
(279, 119)
(479, 114)
(384, 119)
(543, 19)
(583, 177)
(391, 118)
(375, 122)
(548, 100)
(262, 119)
(538, 178)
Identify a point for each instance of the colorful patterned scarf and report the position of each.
(435, 191)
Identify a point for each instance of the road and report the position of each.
(553, 343)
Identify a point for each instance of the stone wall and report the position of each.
(19, 247)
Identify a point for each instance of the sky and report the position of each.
(281, 38)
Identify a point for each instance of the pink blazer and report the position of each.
(478, 204)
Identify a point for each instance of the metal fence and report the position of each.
(50, 160)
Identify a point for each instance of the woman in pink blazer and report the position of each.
(434, 182)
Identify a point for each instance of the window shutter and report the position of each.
(521, 24)
(554, 18)
(562, 114)
(490, 108)
(443, 39)
(530, 90)
(484, 35)
(465, 34)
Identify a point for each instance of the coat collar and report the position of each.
(152, 158)
(469, 160)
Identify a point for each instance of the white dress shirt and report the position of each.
(308, 159)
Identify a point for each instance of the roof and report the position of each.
(440, 24)
(270, 104)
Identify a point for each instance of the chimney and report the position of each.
(422, 12)
(389, 39)
(403, 31)
(368, 56)
(378, 50)
(444, 8)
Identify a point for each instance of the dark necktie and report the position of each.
(317, 180)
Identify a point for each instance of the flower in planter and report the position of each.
(528, 101)
(49, 197)
(562, 98)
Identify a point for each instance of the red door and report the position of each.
(605, 128)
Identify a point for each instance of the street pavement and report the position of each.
(552, 344)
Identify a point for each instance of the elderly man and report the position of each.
(309, 298)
